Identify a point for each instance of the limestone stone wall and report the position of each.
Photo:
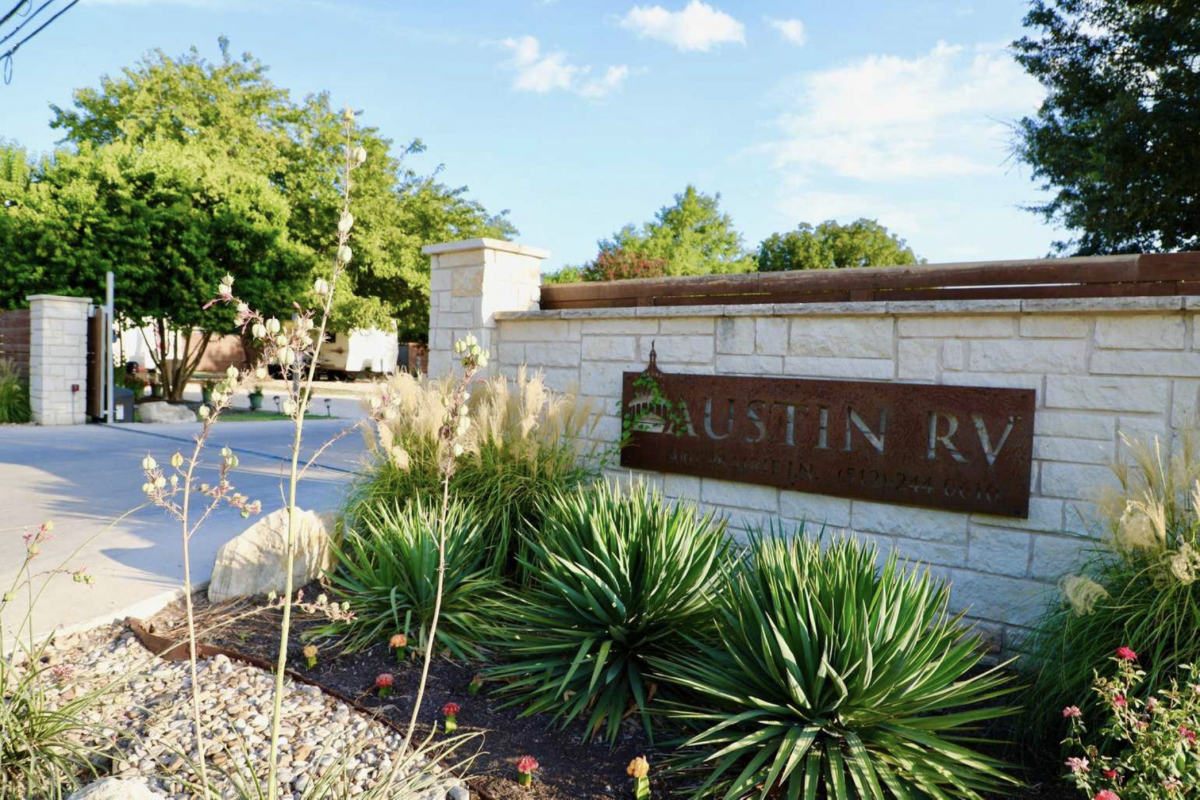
(58, 359)
(1101, 368)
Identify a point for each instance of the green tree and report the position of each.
(863, 243)
(232, 109)
(1117, 139)
(693, 236)
(169, 220)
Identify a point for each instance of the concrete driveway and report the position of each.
(84, 477)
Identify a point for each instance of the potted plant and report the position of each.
(256, 398)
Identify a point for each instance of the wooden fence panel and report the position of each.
(1091, 276)
(14, 338)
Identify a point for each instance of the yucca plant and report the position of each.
(835, 678)
(621, 578)
(14, 394)
(387, 569)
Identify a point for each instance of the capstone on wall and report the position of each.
(1101, 369)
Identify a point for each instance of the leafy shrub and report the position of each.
(1158, 755)
(1138, 586)
(622, 578)
(14, 394)
(387, 572)
(523, 446)
(833, 678)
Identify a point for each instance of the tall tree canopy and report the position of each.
(232, 110)
(693, 236)
(169, 219)
(1118, 137)
(863, 243)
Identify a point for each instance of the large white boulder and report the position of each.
(162, 411)
(117, 789)
(254, 562)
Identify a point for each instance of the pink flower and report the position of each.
(450, 709)
(1125, 654)
(1106, 794)
(1119, 701)
(526, 764)
(384, 681)
(1111, 774)
(1188, 734)
(1072, 712)
(1079, 766)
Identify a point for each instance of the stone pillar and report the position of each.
(469, 282)
(58, 359)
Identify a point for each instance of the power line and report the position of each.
(28, 5)
(29, 19)
(6, 58)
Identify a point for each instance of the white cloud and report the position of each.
(541, 72)
(887, 117)
(698, 26)
(791, 29)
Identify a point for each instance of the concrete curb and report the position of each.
(146, 607)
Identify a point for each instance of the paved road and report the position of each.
(83, 477)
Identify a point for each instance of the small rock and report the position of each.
(162, 412)
(253, 562)
(117, 789)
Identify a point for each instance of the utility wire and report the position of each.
(29, 19)
(6, 58)
(9, 15)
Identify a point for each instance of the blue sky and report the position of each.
(580, 115)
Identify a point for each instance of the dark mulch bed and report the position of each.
(569, 767)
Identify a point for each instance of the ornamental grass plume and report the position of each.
(639, 770)
(525, 767)
(450, 710)
(383, 682)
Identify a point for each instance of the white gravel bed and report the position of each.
(149, 716)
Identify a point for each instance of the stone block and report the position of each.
(685, 325)
(1055, 326)
(999, 550)
(1045, 514)
(610, 348)
(841, 337)
(909, 521)
(735, 336)
(919, 553)
(954, 354)
(604, 378)
(553, 354)
(1055, 556)
(958, 327)
(917, 359)
(1074, 424)
(680, 349)
(682, 487)
(552, 330)
(1081, 451)
(739, 495)
(466, 282)
(1028, 356)
(1076, 481)
(1000, 598)
(1185, 404)
(1141, 331)
(771, 336)
(1107, 393)
(1146, 362)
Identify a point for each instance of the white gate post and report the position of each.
(469, 282)
(58, 359)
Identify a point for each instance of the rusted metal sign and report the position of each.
(955, 447)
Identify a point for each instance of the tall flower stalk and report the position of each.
(296, 349)
(173, 490)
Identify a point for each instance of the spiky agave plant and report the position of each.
(622, 577)
(387, 572)
(834, 678)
